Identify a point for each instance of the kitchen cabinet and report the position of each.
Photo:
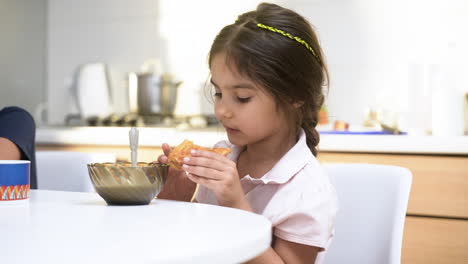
(431, 240)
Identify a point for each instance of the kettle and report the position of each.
(91, 91)
(152, 93)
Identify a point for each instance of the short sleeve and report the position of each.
(18, 126)
(311, 220)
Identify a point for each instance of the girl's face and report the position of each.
(249, 114)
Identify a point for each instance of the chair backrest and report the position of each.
(67, 170)
(372, 207)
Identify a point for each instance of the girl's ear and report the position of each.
(298, 104)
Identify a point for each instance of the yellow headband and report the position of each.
(298, 39)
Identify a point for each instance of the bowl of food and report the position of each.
(123, 184)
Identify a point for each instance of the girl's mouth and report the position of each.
(231, 130)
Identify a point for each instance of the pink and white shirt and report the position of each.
(296, 195)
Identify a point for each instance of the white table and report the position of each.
(71, 227)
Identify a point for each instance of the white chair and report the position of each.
(372, 206)
(67, 170)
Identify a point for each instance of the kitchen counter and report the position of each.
(155, 136)
(118, 136)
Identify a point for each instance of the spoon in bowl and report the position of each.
(133, 136)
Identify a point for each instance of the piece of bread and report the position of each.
(177, 155)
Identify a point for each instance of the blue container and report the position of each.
(14, 180)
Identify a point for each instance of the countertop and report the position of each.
(155, 136)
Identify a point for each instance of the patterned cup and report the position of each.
(14, 180)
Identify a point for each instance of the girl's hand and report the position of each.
(177, 186)
(219, 174)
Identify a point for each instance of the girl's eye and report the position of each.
(243, 99)
(217, 95)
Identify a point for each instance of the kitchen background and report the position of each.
(406, 59)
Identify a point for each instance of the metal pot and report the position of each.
(152, 94)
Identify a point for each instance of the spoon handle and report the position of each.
(134, 158)
(133, 136)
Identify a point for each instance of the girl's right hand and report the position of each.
(178, 186)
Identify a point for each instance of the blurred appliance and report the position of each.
(152, 94)
(92, 91)
(90, 97)
(190, 106)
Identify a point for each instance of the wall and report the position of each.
(120, 33)
(381, 54)
(22, 53)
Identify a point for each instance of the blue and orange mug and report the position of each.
(14, 180)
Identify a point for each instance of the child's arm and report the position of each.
(8, 150)
(178, 186)
(287, 252)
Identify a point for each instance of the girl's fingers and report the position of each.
(210, 155)
(204, 162)
(208, 173)
(166, 149)
(200, 180)
(162, 159)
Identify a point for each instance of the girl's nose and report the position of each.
(223, 111)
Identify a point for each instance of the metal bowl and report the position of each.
(121, 184)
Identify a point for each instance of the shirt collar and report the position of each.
(288, 166)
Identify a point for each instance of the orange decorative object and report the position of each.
(340, 126)
(323, 116)
(178, 154)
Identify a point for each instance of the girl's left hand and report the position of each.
(219, 174)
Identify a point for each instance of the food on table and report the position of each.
(177, 155)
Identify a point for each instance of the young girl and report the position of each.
(268, 71)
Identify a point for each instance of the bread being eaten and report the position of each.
(177, 155)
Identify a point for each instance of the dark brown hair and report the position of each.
(284, 67)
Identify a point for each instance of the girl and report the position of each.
(268, 71)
